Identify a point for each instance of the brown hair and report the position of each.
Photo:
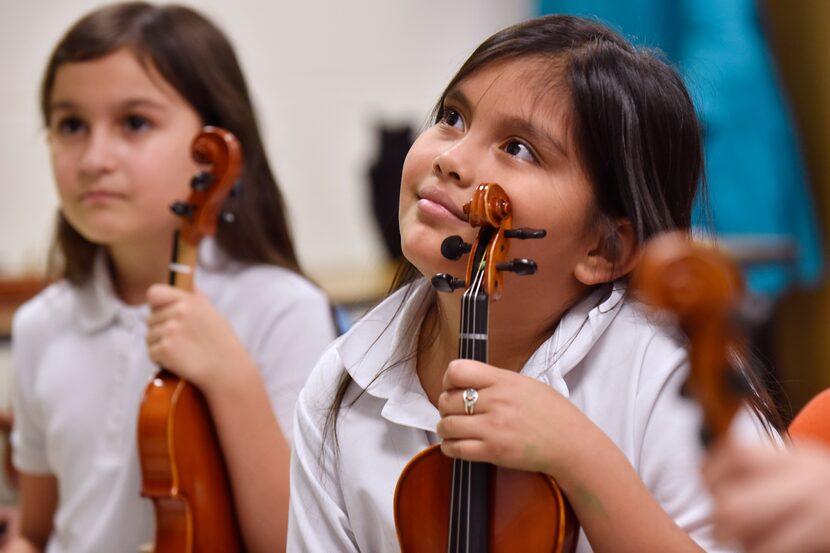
(194, 57)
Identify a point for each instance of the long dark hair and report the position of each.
(194, 57)
(635, 129)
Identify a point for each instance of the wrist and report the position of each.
(232, 376)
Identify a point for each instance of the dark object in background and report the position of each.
(385, 182)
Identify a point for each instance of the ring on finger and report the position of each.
(470, 396)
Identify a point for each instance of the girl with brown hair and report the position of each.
(124, 93)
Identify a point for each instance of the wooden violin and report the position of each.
(703, 289)
(182, 467)
(444, 504)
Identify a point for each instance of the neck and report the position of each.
(138, 265)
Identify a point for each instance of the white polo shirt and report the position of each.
(621, 369)
(81, 368)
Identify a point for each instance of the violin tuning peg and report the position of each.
(446, 283)
(525, 233)
(522, 267)
(453, 247)
(182, 209)
(201, 181)
(228, 217)
(236, 191)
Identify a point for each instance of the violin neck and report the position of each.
(182, 263)
(470, 507)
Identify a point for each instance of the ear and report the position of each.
(615, 253)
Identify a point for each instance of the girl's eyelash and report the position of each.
(69, 124)
(530, 150)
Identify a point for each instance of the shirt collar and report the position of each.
(391, 331)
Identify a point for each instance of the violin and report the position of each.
(702, 288)
(182, 467)
(444, 504)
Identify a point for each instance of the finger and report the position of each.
(751, 509)
(452, 403)
(167, 312)
(460, 427)
(159, 295)
(789, 533)
(469, 450)
(466, 373)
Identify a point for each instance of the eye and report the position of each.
(70, 125)
(136, 123)
(451, 118)
(520, 150)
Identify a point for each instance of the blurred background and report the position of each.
(343, 87)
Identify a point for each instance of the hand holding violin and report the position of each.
(511, 422)
(187, 335)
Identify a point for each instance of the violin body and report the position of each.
(182, 466)
(184, 472)
(522, 503)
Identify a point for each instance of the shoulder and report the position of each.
(640, 350)
(50, 310)
(271, 287)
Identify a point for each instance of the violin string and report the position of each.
(469, 465)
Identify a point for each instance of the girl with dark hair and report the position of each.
(124, 93)
(597, 143)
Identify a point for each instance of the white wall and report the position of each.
(321, 71)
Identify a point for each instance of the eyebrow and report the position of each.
(68, 105)
(517, 125)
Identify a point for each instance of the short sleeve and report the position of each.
(28, 433)
(317, 519)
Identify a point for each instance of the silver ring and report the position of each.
(470, 396)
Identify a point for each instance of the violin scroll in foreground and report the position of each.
(703, 289)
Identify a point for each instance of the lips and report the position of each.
(441, 199)
(100, 196)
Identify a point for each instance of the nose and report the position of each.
(456, 164)
(98, 155)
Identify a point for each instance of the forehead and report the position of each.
(111, 77)
(536, 85)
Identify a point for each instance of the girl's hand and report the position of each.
(186, 335)
(518, 422)
(772, 500)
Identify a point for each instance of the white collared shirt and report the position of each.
(621, 369)
(81, 368)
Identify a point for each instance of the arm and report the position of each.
(512, 427)
(38, 501)
(772, 500)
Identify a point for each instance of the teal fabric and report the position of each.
(757, 181)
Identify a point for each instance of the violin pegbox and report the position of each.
(489, 210)
(219, 149)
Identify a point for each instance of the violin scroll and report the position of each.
(201, 213)
(702, 288)
(489, 209)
